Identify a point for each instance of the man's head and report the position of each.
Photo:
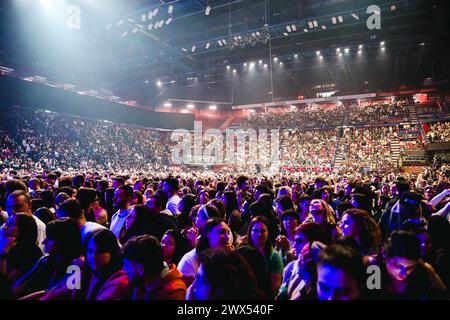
(171, 185)
(241, 183)
(118, 182)
(70, 208)
(401, 253)
(122, 197)
(142, 257)
(155, 203)
(87, 197)
(139, 185)
(340, 273)
(34, 184)
(14, 185)
(18, 201)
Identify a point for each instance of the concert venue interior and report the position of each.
(214, 150)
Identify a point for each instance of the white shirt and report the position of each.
(88, 229)
(41, 231)
(189, 264)
(172, 204)
(118, 221)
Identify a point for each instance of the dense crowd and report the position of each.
(208, 236)
(439, 132)
(39, 139)
(334, 116)
(366, 149)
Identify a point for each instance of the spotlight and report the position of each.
(382, 43)
(354, 15)
(159, 83)
(265, 65)
(245, 64)
(338, 50)
(321, 57)
(275, 59)
(340, 54)
(190, 106)
(213, 107)
(207, 10)
(170, 9)
(305, 30)
(294, 28)
(315, 23)
(234, 70)
(359, 52)
(45, 3)
(295, 56)
(334, 20)
(207, 45)
(169, 20)
(281, 63)
(288, 28)
(193, 49)
(347, 50)
(383, 49)
(228, 67)
(260, 62)
(167, 105)
(285, 34)
(324, 27)
(340, 19)
(360, 46)
(310, 24)
(252, 65)
(220, 42)
(318, 53)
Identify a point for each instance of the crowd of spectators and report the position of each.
(209, 236)
(439, 132)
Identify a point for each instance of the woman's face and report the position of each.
(348, 226)
(400, 268)
(219, 236)
(130, 219)
(326, 195)
(315, 206)
(201, 219)
(11, 230)
(384, 189)
(300, 242)
(289, 224)
(204, 198)
(168, 246)
(259, 234)
(97, 260)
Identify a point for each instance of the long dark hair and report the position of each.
(268, 245)
(183, 219)
(181, 245)
(141, 225)
(231, 202)
(27, 230)
(203, 242)
(229, 275)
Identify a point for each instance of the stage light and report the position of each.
(383, 49)
(305, 30)
(310, 24)
(340, 19)
(393, 7)
(340, 54)
(258, 33)
(295, 56)
(265, 65)
(228, 67)
(354, 15)
(360, 46)
(275, 59)
(285, 34)
(155, 12)
(294, 28)
(382, 43)
(184, 49)
(252, 65)
(159, 83)
(334, 20)
(359, 52)
(193, 49)
(207, 10)
(234, 70)
(224, 41)
(288, 28)
(347, 50)
(146, 81)
(167, 105)
(281, 63)
(324, 27)
(260, 62)
(245, 64)
(315, 23)
(169, 20)
(144, 17)
(170, 9)
(213, 107)
(338, 50)
(134, 30)
(207, 45)
(220, 42)
(321, 57)
(45, 3)
(190, 106)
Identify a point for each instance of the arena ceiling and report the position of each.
(235, 52)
